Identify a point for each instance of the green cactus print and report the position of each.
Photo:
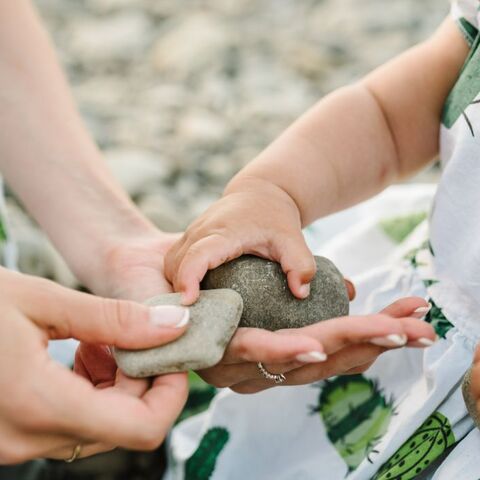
(411, 256)
(201, 465)
(3, 233)
(468, 30)
(199, 397)
(356, 415)
(438, 320)
(432, 438)
(399, 228)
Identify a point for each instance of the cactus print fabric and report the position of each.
(404, 418)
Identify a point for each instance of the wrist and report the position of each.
(92, 249)
(253, 185)
(128, 263)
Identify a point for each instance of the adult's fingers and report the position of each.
(95, 363)
(130, 386)
(416, 307)
(340, 332)
(257, 345)
(114, 417)
(350, 289)
(360, 369)
(339, 363)
(21, 446)
(65, 313)
(87, 450)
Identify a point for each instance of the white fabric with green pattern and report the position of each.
(405, 417)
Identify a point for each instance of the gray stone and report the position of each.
(268, 302)
(470, 402)
(213, 321)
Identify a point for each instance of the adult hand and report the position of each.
(133, 271)
(343, 345)
(45, 409)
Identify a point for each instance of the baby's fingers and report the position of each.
(297, 262)
(206, 254)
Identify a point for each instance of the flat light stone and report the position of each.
(213, 321)
(267, 300)
(470, 402)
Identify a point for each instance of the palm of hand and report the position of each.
(135, 273)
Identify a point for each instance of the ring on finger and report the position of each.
(75, 454)
(275, 377)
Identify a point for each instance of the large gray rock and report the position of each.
(268, 302)
(213, 321)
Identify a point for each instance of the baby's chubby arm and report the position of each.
(349, 146)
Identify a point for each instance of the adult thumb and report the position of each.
(65, 313)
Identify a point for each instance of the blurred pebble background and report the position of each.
(181, 94)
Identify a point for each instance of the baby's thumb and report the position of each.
(298, 264)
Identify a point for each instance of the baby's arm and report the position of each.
(348, 147)
(363, 137)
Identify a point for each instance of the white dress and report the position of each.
(405, 417)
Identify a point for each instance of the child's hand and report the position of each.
(260, 219)
(349, 345)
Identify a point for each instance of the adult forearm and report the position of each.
(47, 155)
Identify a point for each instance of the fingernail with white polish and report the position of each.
(392, 340)
(426, 341)
(311, 357)
(420, 312)
(305, 290)
(169, 316)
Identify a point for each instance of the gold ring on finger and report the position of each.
(75, 454)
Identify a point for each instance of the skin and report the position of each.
(348, 147)
(58, 173)
(475, 379)
(48, 409)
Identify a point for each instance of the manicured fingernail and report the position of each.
(169, 316)
(420, 312)
(305, 290)
(311, 357)
(392, 340)
(426, 341)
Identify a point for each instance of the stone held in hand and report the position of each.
(268, 302)
(213, 321)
